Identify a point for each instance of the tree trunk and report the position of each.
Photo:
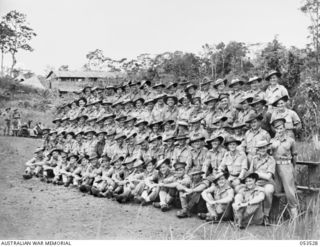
(14, 61)
(2, 72)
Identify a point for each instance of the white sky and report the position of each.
(67, 30)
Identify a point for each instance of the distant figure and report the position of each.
(16, 122)
(7, 121)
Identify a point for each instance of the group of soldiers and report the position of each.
(12, 121)
(219, 149)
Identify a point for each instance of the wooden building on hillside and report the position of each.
(71, 81)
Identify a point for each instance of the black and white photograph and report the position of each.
(159, 120)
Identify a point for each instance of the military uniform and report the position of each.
(213, 160)
(284, 148)
(264, 165)
(252, 213)
(291, 117)
(224, 195)
(276, 92)
(236, 163)
(252, 137)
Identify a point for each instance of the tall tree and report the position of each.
(5, 34)
(95, 60)
(23, 33)
(311, 8)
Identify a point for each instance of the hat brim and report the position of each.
(278, 74)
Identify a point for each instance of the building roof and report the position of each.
(80, 74)
(33, 82)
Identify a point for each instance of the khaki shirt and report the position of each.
(198, 157)
(283, 148)
(248, 194)
(275, 93)
(158, 113)
(290, 116)
(251, 139)
(243, 116)
(236, 165)
(182, 154)
(89, 147)
(221, 193)
(170, 114)
(213, 160)
(184, 113)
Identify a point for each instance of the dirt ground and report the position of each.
(31, 209)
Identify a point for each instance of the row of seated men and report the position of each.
(224, 171)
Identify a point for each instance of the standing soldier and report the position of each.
(247, 204)
(284, 152)
(7, 119)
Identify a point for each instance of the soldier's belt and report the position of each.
(283, 162)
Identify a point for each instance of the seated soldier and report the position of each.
(117, 172)
(168, 129)
(293, 122)
(182, 150)
(214, 156)
(103, 178)
(50, 164)
(264, 165)
(190, 188)
(89, 174)
(66, 172)
(168, 147)
(165, 176)
(198, 152)
(239, 130)
(34, 165)
(132, 175)
(218, 199)
(62, 163)
(235, 162)
(246, 110)
(147, 190)
(254, 134)
(248, 203)
(77, 173)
